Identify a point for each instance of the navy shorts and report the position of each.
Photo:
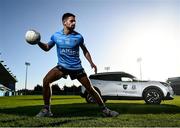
(74, 74)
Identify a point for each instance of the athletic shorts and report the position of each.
(74, 74)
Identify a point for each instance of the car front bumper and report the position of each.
(168, 97)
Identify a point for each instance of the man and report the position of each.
(67, 42)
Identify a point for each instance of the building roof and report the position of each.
(6, 76)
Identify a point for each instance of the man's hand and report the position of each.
(95, 68)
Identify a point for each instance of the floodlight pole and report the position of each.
(27, 64)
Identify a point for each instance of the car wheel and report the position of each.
(153, 96)
(90, 99)
(104, 100)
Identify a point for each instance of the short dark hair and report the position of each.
(66, 15)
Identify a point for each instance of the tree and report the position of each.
(56, 89)
(38, 89)
(73, 90)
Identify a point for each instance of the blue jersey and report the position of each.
(68, 49)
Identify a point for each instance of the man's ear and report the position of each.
(64, 22)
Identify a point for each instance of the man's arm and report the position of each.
(88, 57)
(45, 46)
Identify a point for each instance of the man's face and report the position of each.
(70, 23)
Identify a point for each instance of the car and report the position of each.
(124, 86)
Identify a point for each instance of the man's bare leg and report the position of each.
(53, 75)
(87, 84)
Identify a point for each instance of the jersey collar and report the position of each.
(72, 33)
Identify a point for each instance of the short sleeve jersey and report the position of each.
(68, 49)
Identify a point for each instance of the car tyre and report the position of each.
(153, 96)
(90, 99)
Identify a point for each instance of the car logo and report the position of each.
(125, 86)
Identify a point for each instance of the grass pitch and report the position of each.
(73, 111)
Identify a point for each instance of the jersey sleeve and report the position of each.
(82, 41)
(51, 42)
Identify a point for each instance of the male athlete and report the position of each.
(67, 43)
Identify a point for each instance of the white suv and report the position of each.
(122, 86)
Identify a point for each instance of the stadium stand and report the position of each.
(7, 81)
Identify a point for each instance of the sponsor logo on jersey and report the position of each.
(69, 51)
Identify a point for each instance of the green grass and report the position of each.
(73, 111)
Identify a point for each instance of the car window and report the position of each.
(126, 79)
(107, 77)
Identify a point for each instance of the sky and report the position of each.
(117, 33)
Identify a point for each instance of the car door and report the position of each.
(127, 87)
(107, 84)
(106, 87)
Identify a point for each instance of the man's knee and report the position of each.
(46, 82)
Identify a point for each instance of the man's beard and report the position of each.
(72, 27)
